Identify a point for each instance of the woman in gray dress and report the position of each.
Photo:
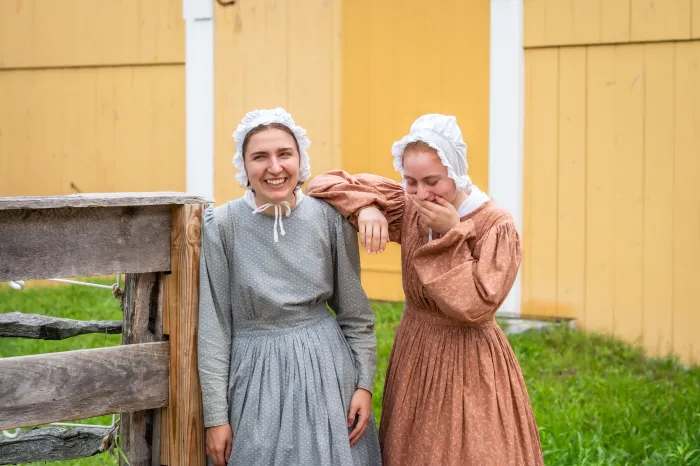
(284, 382)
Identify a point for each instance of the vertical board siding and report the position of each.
(540, 287)
(659, 154)
(551, 23)
(622, 124)
(92, 97)
(71, 33)
(92, 130)
(276, 53)
(401, 59)
(686, 202)
(571, 238)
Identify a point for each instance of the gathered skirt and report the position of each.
(289, 398)
(455, 395)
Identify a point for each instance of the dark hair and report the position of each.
(261, 128)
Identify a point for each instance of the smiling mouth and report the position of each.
(276, 181)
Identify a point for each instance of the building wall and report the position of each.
(612, 168)
(92, 96)
(279, 53)
(355, 74)
(401, 59)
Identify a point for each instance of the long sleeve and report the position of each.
(350, 193)
(215, 322)
(351, 305)
(463, 287)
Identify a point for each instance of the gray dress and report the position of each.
(273, 361)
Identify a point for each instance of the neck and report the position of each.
(460, 197)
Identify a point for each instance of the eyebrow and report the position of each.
(429, 177)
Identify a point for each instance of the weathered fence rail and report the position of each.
(16, 324)
(151, 379)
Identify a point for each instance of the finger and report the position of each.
(359, 428)
(376, 237)
(219, 458)
(383, 235)
(359, 435)
(227, 453)
(434, 208)
(352, 414)
(446, 204)
(361, 229)
(419, 206)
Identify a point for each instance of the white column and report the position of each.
(199, 96)
(506, 114)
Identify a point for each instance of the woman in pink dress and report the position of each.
(454, 392)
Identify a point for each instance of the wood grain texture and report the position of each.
(100, 200)
(40, 327)
(54, 387)
(70, 242)
(51, 444)
(181, 299)
(140, 304)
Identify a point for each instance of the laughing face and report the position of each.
(271, 160)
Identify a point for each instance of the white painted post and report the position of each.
(506, 112)
(199, 96)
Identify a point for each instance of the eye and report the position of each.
(286, 154)
(431, 182)
(411, 182)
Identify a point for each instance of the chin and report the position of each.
(277, 196)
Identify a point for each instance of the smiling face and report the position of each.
(271, 159)
(426, 176)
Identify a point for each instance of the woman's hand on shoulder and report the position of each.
(374, 229)
(360, 412)
(218, 444)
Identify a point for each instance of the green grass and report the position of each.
(597, 401)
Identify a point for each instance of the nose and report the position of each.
(274, 167)
(422, 193)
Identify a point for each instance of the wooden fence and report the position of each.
(151, 379)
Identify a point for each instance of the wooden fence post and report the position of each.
(140, 306)
(183, 419)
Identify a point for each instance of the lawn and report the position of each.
(597, 401)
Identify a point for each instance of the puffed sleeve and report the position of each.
(348, 194)
(351, 305)
(463, 287)
(215, 322)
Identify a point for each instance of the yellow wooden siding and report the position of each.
(686, 202)
(101, 129)
(621, 124)
(540, 286)
(48, 33)
(92, 96)
(658, 198)
(571, 208)
(400, 60)
(256, 66)
(579, 22)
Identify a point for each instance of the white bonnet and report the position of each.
(442, 134)
(256, 118)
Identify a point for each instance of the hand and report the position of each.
(374, 229)
(440, 216)
(360, 407)
(219, 441)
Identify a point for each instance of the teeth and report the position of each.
(274, 182)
